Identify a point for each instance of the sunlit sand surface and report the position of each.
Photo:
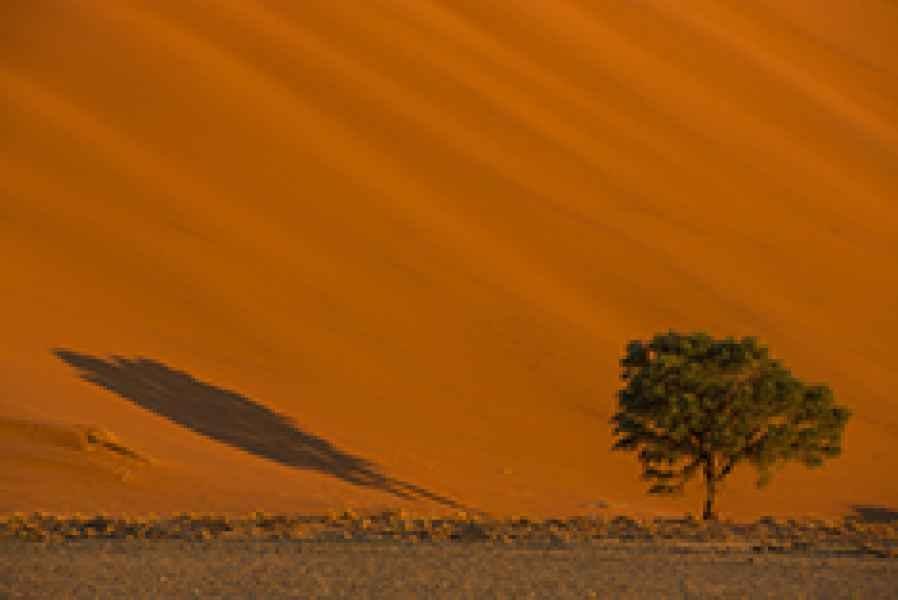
(410, 239)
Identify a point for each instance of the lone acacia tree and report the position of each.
(694, 404)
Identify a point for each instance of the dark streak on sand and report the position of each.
(232, 418)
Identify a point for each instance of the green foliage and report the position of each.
(692, 403)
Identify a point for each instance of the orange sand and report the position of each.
(424, 230)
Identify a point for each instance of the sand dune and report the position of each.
(423, 232)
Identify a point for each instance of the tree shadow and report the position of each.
(233, 419)
(875, 514)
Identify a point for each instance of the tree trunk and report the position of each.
(710, 488)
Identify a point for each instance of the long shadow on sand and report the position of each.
(233, 419)
(875, 514)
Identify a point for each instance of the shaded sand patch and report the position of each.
(876, 514)
(84, 438)
(41, 463)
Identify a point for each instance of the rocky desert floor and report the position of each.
(289, 569)
(396, 555)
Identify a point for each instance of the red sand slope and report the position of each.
(424, 230)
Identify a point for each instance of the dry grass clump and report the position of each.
(765, 535)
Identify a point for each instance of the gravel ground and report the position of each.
(141, 568)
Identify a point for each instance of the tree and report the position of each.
(694, 404)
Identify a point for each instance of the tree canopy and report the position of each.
(694, 404)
